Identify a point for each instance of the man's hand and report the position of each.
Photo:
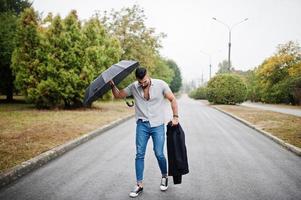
(116, 92)
(112, 84)
(175, 121)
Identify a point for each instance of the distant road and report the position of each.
(228, 161)
(271, 107)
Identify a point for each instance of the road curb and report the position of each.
(25, 167)
(288, 146)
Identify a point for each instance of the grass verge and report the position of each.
(284, 126)
(26, 132)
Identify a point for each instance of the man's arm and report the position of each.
(174, 106)
(120, 94)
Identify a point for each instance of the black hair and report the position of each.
(140, 73)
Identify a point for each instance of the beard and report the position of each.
(143, 87)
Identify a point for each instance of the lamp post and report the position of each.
(230, 29)
(209, 55)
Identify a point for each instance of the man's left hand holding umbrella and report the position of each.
(116, 92)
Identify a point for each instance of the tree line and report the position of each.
(276, 80)
(52, 60)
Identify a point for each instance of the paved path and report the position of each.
(227, 160)
(271, 107)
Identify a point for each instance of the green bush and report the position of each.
(199, 93)
(226, 89)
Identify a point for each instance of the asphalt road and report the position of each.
(227, 160)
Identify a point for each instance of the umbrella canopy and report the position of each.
(101, 85)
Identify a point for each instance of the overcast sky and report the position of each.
(190, 28)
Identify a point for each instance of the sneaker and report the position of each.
(164, 184)
(136, 191)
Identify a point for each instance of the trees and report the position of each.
(295, 83)
(27, 55)
(7, 45)
(55, 59)
(279, 75)
(223, 67)
(176, 82)
(162, 70)
(62, 83)
(138, 42)
(100, 49)
(277, 79)
(9, 12)
(15, 6)
(55, 63)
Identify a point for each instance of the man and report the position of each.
(149, 97)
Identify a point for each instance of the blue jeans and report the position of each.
(143, 132)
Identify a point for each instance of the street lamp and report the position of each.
(209, 55)
(230, 29)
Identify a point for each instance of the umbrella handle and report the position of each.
(130, 104)
(127, 103)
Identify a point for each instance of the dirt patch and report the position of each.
(284, 126)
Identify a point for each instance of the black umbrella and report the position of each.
(101, 85)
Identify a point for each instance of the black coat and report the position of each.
(176, 152)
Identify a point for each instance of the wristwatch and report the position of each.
(177, 116)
